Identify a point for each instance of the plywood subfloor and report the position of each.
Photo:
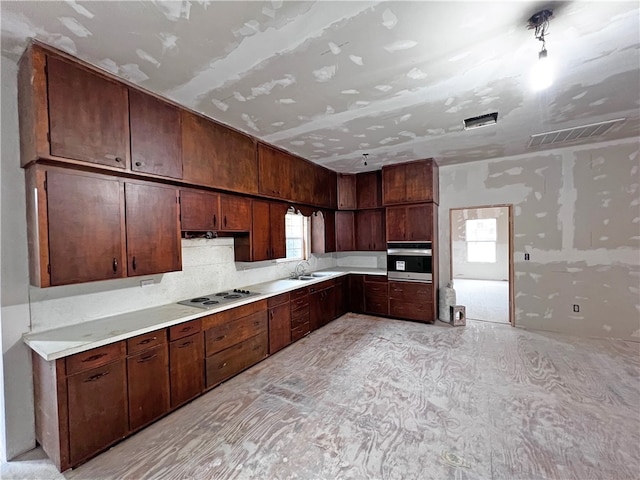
(382, 399)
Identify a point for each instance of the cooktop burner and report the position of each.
(213, 300)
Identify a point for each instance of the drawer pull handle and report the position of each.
(115, 265)
(186, 329)
(215, 221)
(257, 324)
(118, 159)
(138, 164)
(93, 358)
(223, 365)
(256, 348)
(147, 340)
(95, 377)
(221, 337)
(146, 359)
(134, 264)
(186, 344)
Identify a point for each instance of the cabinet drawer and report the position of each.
(94, 358)
(376, 304)
(299, 303)
(233, 360)
(375, 288)
(278, 300)
(300, 331)
(146, 341)
(299, 312)
(300, 319)
(224, 336)
(299, 293)
(421, 292)
(422, 311)
(184, 329)
(227, 316)
(375, 278)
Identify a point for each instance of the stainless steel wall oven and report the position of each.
(410, 261)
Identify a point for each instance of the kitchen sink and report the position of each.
(305, 277)
(320, 274)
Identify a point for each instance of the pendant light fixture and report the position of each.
(542, 71)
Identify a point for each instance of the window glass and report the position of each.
(481, 237)
(297, 236)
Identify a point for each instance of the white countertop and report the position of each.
(65, 341)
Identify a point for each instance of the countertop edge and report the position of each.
(35, 340)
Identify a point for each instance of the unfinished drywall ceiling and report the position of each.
(332, 80)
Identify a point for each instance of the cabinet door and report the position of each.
(153, 229)
(396, 224)
(316, 310)
(329, 301)
(88, 115)
(277, 212)
(260, 238)
(419, 181)
(148, 379)
(368, 190)
(419, 222)
(370, 234)
(197, 145)
(356, 293)
(98, 416)
(86, 227)
(274, 169)
(346, 192)
(235, 213)
(199, 211)
(329, 231)
(156, 138)
(393, 184)
(186, 367)
(279, 327)
(345, 239)
(341, 296)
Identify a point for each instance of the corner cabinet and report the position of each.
(85, 227)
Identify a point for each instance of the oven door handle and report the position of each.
(409, 252)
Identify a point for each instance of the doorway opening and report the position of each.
(482, 261)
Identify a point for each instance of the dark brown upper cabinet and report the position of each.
(216, 156)
(267, 239)
(199, 211)
(345, 237)
(156, 138)
(412, 182)
(79, 231)
(406, 223)
(346, 192)
(275, 169)
(88, 115)
(370, 230)
(369, 190)
(323, 231)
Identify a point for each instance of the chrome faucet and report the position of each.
(300, 268)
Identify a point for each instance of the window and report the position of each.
(481, 240)
(296, 229)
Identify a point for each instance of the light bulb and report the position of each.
(542, 72)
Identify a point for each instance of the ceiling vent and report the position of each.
(575, 133)
(481, 121)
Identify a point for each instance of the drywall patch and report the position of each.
(384, 88)
(220, 105)
(350, 91)
(132, 72)
(400, 45)
(109, 65)
(416, 74)
(389, 20)
(356, 59)
(277, 124)
(169, 42)
(325, 74)
(174, 11)
(75, 27)
(335, 49)
(145, 56)
(286, 101)
(250, 121)
(79, 8)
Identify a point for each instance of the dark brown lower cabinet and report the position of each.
(279, 322)
(341, 296)
(356, 293)
(230, 361)
(148, 380)
(376, 297)
(234, 340)
(299, 304)
(186, 368)
(97, 410)
(321, 304)
(412, 301)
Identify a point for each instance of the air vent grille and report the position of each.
(575, 133)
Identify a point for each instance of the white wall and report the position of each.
(462, 268)
(17, 414)
(576, 211)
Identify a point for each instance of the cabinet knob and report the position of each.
(138, 164)
(118, 159)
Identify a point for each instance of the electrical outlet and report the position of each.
(147, 282)
(576, 308)
(526, 256)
